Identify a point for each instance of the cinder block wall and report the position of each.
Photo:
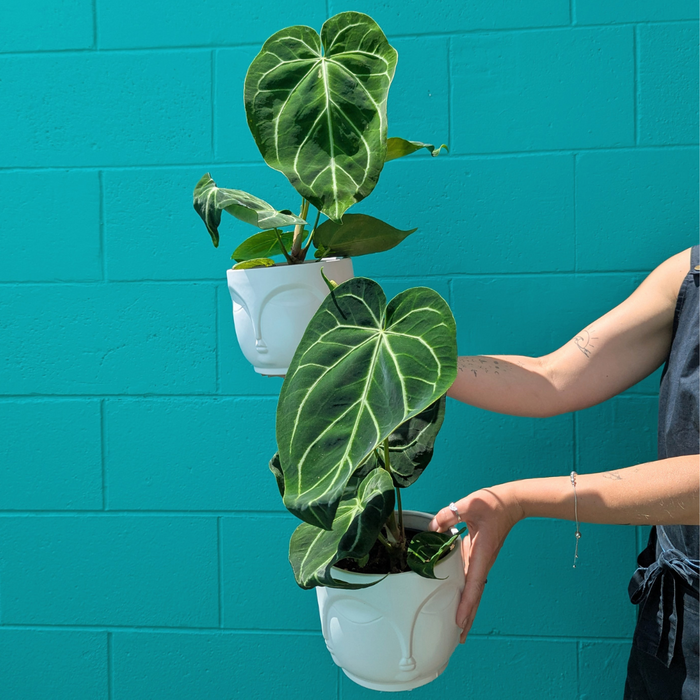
(142, 541)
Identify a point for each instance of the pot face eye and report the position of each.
(440, 600)
(357, 612)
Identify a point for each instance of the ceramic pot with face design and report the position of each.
(273, 305)
(400, 633)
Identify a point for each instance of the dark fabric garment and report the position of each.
(663, 663)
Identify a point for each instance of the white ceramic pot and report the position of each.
(400, 633)
(273, 305)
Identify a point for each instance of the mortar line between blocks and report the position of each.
(95, 45)
(295, 632)
(103, 450)
(572, 13)
(575, 217)
(635, 64)
(574, 438)
(391, 36)
(110, 675)
(212, 125)
(449, 91)
(486, 274)
(490, 155)
(101, 224)
(579, 649)
(220, 557)
(217, 353)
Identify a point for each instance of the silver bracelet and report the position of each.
(578, 532)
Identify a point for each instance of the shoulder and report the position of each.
(666, 280)
(668, 277)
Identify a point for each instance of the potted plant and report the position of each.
(357, 418)
(316, 106)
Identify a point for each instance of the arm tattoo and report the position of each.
(584, 342)
(480, 365)
(613, 476)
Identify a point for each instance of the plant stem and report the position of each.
(384, 541)
(284, 250)
(311, 235)
(398, 532)
(400, 511)
(297, 255)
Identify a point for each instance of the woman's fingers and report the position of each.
(446, 518)
(477, 569)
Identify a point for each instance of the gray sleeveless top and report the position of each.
(669, 568)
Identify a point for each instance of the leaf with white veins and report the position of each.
(209, 201)
(427, 548)
(361, 369)
(316, 106)
(358, 520)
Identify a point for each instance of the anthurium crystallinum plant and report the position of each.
(357, 419)
(316, 106)
(317, 109)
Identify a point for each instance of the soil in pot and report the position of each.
(380, 562)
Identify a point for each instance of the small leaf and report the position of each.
(357, 522)
(398, 148)
(329, 283)
(255, 262)
(411, 444)
(358, 234)
(276, 469)
(263, 245)
(427, 548)
(209, 201)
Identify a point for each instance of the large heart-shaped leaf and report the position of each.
(317, 108)
(361, 369)
(210, 200)
(411, 444)
(357, 234)
(358, 520)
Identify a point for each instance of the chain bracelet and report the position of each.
(578, 532)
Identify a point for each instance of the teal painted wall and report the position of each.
(142, 541)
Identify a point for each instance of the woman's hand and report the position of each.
(489, 515)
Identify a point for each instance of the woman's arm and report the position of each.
(605, 358)
(664, 492)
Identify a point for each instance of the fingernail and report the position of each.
(432, 526)
(462, 623)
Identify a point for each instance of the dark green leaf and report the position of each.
(357, 522)
(397, 148)
(256, 262)
(358, 234)
(411, 444)
(426, 549)
(317, 108)
(263, 245)
(210, 200)
(361, 369)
